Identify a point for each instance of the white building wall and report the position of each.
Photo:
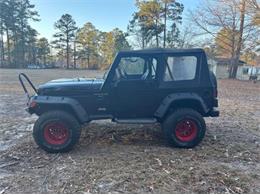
(222, 71)
(212, 65)
(244, 72)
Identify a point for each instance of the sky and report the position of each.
(104, 14)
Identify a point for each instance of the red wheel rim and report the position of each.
(56, 133)
(186, 130)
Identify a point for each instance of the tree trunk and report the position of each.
(143, 40)
(23, 55)
(157, 40)
(22, 59)
(233, 47)
(240, 39)
(88, 56)
(74, 56)
(2, 50)
(44, 59)
(8, 48)
(165, 21)
(34, 56)
(157, 34)
(15, 56)
(67, 52)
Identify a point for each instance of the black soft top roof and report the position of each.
(162, 50)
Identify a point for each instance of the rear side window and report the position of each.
(179, 68)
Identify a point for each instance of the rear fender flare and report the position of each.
(170, 99)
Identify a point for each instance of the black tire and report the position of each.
(184, 119)
(65, 124)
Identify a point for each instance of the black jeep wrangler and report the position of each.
(167, 86)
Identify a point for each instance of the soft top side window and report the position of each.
(179, 68)
(136, 68)
(132, 65)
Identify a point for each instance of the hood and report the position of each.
(70, 87)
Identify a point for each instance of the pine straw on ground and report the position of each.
(113, 158)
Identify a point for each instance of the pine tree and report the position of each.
(154, 17)
(43, 50)
(88, 37)
(150, 13)
(121, 42)
(171, 13)
(14, 25)
(139, 30)
(66, 27)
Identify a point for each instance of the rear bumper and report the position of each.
(214, 113)
(215, 102)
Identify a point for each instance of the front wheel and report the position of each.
(56, 131)
(184, 128)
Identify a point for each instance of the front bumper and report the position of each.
(31, 105)
(29, 110)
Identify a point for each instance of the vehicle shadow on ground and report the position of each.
(96, 135)
(110, 134)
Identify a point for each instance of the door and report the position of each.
(135, 87)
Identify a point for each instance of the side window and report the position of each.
(132, 65)
(136, 68)
(180, 68)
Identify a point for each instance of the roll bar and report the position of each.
(24, 76)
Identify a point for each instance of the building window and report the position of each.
(245, 70)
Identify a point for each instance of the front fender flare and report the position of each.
(72, 103)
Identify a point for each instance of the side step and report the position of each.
(136, 121)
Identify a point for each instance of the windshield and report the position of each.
(105, 75)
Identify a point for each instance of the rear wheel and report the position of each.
(56, 131)
(184, 128)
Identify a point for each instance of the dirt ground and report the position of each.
(113, 158)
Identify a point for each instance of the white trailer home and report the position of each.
(244, 72)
